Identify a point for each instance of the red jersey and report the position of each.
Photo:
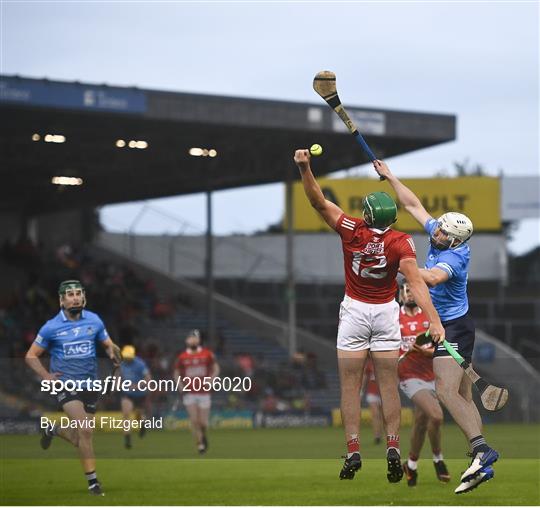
(371, 258)
(414, 365)
(369, 372)
(198, 364)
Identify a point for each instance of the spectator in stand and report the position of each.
(246, 362)
(312, 377)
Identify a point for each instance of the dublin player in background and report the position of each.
(373, 400)
(70, 338)
(446, 273)
(135, 370)
(417, 382)
(369, 315)
(192, 366)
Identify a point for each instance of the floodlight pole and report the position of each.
(291, 292)
(210, 311)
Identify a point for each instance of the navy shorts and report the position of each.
(459, 332)
(88, 398)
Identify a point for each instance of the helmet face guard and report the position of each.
(453, 229)
(68, 287)
(193, 339)
(380, 210)
(441, 240)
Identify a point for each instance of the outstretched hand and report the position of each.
(301, 158)
(381, 168)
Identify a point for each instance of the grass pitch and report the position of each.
(261, 467)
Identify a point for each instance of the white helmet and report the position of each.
(458, 228)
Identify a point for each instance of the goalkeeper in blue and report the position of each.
(445, 273)
(133, 399)
(70, 338)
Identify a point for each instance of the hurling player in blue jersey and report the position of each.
(446, 273)
(135, 370)
(70, 338)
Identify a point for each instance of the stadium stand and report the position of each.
(155, 313)
(512, 314)
(136, 313)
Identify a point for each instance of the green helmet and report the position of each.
(69, 284)
(63, 288)
(380, 210)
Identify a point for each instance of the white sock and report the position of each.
(413, 464)
(437, 457)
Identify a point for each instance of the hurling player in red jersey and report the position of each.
(373, 253)
(373, 399)
(192, 366)
(417, 382)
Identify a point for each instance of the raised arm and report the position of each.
(406, 197)
(420, 292)
(329, 211)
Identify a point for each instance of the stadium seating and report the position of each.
(135, 312)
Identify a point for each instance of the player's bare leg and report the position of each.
(418, 435)
(351, 368)
(456, 396)
(426, 401)
(376, 421)
(193, 412)
(385, 363)
(465, 390)
(126, 405)
(429, 406)
(418, 432)
(448, 380)
(204, 416)
(70, 435)
(67, 434)
(76, 412)
(351, 371)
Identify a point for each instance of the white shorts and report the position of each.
(371, 398)
(411, 387)
(202, 400)
(373, 326)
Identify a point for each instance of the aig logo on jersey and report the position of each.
(80, 349)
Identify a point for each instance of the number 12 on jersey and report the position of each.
(369, 266)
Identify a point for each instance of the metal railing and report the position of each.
(171, 255)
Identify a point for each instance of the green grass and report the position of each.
(260, 467)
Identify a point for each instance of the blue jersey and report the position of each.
(450, 297)
(134, 370)
(72, 344)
